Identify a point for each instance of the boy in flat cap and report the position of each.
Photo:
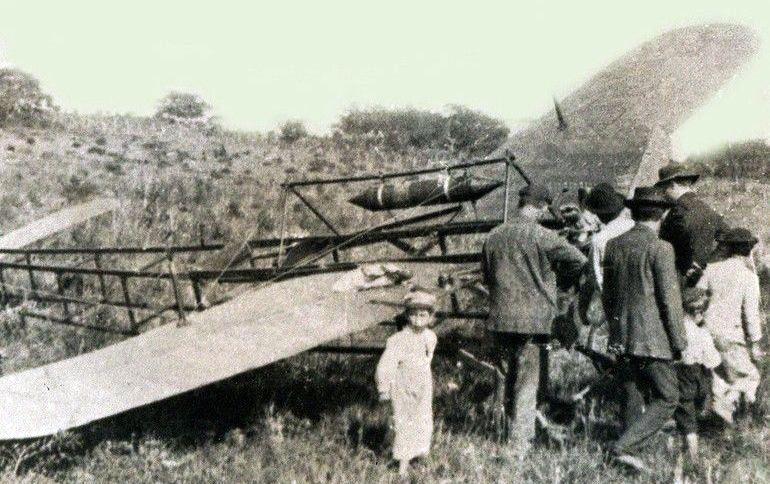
(691, 226)
(733, 317)
(520, 261)
(643, 306)
(404, 377)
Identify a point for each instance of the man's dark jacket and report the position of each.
(520, 262)
(641, 295)
(691, 227)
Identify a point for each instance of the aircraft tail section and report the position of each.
(604, 127)
(657, 154)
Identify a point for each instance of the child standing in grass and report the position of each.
(733, 318)
(404, 377)
(694, 370)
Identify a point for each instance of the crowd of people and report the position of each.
(673, 284)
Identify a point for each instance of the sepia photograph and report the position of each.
(396, 242)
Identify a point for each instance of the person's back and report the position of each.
(641, 295)
(608, 206)
(691, 226)
(733, 315)
(519, 259)
(734, 320)
(694, 369)
(644, 309)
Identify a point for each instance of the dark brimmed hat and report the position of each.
(648, 197)
(604, 199)
(676, 171)
(737, 236)
(536, 193)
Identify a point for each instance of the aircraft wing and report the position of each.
(56, 222)
(609, 121)
(254, 329)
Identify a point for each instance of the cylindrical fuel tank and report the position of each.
(431, 191)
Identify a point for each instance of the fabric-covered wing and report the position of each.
(610, 119)
(256, 328)
(56, 222)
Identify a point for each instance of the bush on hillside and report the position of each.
(749, 159)
(183, 107)
(396, 129)
(292, 131)
(22, 102)
(474, 133)
(462, 131)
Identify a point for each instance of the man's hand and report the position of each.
(757, 353)
(384, 397)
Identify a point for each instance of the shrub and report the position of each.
(292, 131)
(394, 130)
(182, 107)
(461, 131)
(78, 188)
(749, 159)
(474, 133)
(22, 101)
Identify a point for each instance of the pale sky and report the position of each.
(261, 63)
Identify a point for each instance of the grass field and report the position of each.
(313, 418)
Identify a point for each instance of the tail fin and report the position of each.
(656, 154)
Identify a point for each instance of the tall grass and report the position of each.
(313, 418)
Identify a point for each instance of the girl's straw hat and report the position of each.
(420, 299)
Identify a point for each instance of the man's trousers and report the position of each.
(518, 360)
(657, 380)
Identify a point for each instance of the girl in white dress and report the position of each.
(404, 377)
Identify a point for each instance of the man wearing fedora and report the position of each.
(691, 226)
(608, 206)
(643, 306)
(520, 261)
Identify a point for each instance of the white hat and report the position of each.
(419, 299)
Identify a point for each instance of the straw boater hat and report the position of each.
(604, 199)
(648, 197)
(737, 236)
(420, 299)
(676, 171)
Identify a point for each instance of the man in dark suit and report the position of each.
(691, 226)
(643, 305)
(520, 263)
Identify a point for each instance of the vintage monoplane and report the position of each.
(304, 293)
